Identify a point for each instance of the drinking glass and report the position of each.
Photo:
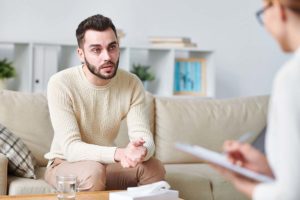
(66, 187)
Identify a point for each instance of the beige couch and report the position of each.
(206, 122)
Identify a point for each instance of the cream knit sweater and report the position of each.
(86, 118)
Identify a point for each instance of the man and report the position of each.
(87, 104)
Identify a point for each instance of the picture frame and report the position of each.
(190, 76)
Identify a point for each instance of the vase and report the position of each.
(145, 84)
(2, 84)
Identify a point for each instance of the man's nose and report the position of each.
(106, 55)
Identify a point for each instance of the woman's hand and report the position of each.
(245, 156)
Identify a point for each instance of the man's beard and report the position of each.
(93, 69)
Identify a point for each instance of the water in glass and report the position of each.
(66, 187)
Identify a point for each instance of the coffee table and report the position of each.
(103, 195)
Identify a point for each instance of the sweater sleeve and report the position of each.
(66, 130)
(137, 119)
(285, 141)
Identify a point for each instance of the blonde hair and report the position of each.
(293, 5)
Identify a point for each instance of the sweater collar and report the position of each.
(86, 81)
(297, 53)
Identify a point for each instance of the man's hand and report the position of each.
(132, 155)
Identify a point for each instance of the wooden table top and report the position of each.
(103, 195)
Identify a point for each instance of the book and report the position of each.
(160, 195)
(174, 44)
(155, 191)
(158, 39)
(221, 160)
(120, 33)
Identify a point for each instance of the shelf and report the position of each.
(35, 62)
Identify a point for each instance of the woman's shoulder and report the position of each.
(287, 80)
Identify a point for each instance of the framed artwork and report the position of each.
(190, 76)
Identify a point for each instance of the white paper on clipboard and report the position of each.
(220, 159)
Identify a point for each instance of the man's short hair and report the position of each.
(96, 22)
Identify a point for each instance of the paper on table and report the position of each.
(220, 159)
(149, 188)
(158, 191)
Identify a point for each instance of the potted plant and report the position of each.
(142, 72)
(6, 71)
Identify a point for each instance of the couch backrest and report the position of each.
(27, 116)
(205, 122)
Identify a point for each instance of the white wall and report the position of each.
(246, 57)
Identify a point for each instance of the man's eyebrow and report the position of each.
(95, 45)
(112, 43)
(99, 45)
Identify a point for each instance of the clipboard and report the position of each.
(221, 160)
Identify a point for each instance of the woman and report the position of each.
(282, 20)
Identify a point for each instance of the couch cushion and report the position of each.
(19, 185)
(221, 189)
(189, 186)
(3, 174)
(20, 161)
(204, 122)
(27, 116)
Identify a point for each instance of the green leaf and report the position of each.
(142, 72)
(7, 70)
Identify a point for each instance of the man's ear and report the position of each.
(80, 54)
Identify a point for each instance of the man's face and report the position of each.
(100, 53)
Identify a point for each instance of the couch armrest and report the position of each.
(3, 174)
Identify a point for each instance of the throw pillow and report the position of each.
(20, 161)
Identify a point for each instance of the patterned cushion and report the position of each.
(20, 161)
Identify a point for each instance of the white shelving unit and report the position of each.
(21, 55)
(35, 62)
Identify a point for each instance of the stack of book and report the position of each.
(176, 42)
(120, 34)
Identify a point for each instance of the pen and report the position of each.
(245, 137)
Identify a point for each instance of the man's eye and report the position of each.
(96, 50)
(112, 47)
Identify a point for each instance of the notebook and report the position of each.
(221, 160)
